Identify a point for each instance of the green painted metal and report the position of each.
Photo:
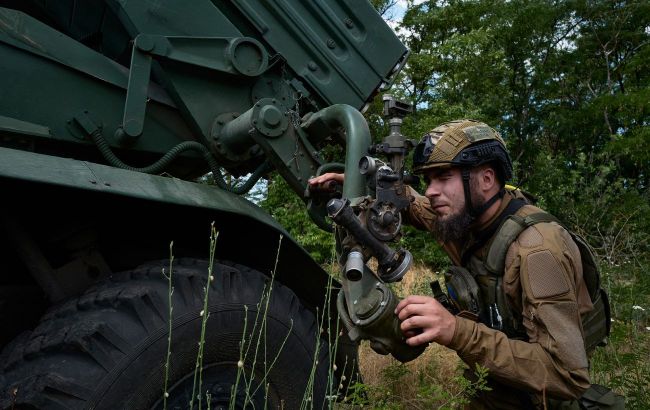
(12, 126)
(216, 84)
(190, 68)
(357, 137)
(340, 48)
(88, 176)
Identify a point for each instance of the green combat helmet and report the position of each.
(466, 144)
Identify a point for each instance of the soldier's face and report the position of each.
(447, 198)
(445, 192)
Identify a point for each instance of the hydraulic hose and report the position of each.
(172, 154)
(250, 182)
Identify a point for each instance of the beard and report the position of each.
(454, 227)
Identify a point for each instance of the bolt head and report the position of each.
(271, 115)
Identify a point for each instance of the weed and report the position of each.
(198, 370)
(170, 292)
(623, 364)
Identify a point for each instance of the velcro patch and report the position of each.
(546, 276)
(478, 133)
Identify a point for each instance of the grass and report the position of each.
(624, 364)
(252, 345)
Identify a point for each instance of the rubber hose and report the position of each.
(250, 182)
(157, 166)
(162, 163)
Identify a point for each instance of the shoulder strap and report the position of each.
(482, 238)
(597, 322)
(507, 233)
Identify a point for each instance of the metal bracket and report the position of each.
(244, 56)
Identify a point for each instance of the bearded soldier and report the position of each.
(523, 307)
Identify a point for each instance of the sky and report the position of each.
(395, 14)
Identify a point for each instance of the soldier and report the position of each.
(523, 310)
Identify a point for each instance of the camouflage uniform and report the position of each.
(545, 289)
(546, 365)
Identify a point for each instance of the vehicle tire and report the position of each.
(106, 349)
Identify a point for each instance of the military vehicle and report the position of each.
(111, 114)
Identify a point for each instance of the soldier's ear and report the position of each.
(487, 178)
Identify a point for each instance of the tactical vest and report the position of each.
(486, 299)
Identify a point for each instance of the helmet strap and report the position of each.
(474, 213)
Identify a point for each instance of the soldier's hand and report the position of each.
(325, 178)
(425, 320)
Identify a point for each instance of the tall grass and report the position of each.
(170, 293)
(198, 369)
(252, 346)
(624, 364)
(434, 380)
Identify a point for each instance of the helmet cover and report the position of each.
(465, 142)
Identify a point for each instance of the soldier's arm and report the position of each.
(419, 214)
(541, 267)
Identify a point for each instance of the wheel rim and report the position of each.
(219, 380)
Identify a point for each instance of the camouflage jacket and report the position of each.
(544, 287)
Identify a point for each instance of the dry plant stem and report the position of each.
(266, 296)
(170, 292)
(267, 370)
(266, 299)
(240, 363)
(245, 346)
(198, 369)
(333, 390)
(307, 397)
(323, 321)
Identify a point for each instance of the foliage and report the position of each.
(291, 213)
(623, 364)
(394, 390)
(589, 193)
(554, 76)
(424, 248)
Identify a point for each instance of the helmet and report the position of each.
(462, 143)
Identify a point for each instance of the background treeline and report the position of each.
(567, 83)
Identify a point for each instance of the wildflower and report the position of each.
(647, 328)
(240, 364)
(637, 307)
(334, 367)
(211, 278)
(166, 394)
(202, 312)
